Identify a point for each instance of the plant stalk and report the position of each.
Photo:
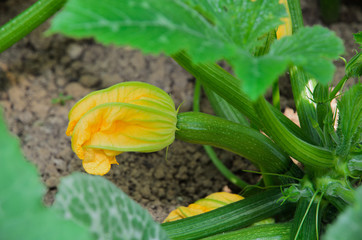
(310, 155)
(302, 85)
(27, 21)
(225, 85)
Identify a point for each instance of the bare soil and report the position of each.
(37, 69)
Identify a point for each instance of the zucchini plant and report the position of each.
(261, 40)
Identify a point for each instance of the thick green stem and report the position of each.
(302, 85)
(305, 221)
(338, 87)
(295, 14)
(302, 88)
(310, 155)
(225, 85)
(276, 95)
(230, 217)
(223, 169)
(205, 129)
(27, 21)
(279, 231)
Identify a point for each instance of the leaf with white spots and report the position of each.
(22, 213)
(104, 209)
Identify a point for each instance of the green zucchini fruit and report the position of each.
(205, 129)
(230, 217)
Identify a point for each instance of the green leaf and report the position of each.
(244, 22)
(155, 26)
(257, 73)
(104, 209)
(358, 38)
(354, 66)
(22, 213)
(348, 224)
(208, 31)
(350, 120)
(313, 49)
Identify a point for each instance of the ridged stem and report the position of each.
(310, 155)
(305, 220)
(27, 21)
(225, 85)
(302, 86)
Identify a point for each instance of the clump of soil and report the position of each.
(39, 69)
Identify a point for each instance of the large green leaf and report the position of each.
(313, 49)
(155, 26)
(348, 224)
(104, 209)
(243, 22)
(22, 213)
(208, 31)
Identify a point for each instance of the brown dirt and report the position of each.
(38, 69)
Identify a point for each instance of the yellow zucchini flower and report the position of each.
(127, 117)
(286, 28)
(204, 205)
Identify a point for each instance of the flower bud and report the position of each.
(127, 117)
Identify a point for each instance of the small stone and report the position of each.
(74, 51)
(76, 90)
(109, 80)
(52, 182)
(159, 173)
(61, 81)
(88, 81)
(16, 96)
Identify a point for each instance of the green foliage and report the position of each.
(61, 99)
(22, 213)
(208, 31)
(350, 121)
(354, 66)
(311, 48)
(348, 224)
(104, 209)
(358, 38)
(242, 21)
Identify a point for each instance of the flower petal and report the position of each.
(204, 205)
(98, 162)
(138, 93)
(124, 127)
